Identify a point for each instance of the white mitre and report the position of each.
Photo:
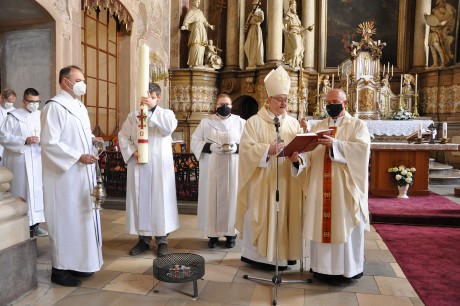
(277, 82)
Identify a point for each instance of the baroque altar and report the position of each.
(366, 81)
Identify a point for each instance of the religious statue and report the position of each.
(196, 23)
(213, 59)
(254, 45)
(325, 85)
(442, 23)
(294, 33)
(408, 79)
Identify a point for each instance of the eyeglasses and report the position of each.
(280, 99)
(33, 101)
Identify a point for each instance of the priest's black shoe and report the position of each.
(230, 242)
(262, 265)
(213, 241)
(162, 250)
(81, 274)
(64, 278)
(140, 247)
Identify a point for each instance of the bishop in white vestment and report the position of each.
(257, 182)
(218, 171)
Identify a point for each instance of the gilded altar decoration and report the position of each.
(115, 8)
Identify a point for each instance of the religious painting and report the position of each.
(341, 19)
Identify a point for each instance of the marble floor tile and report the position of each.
(382, 300)
(371, 244)
(365, 284)
(230, 293)
(99, 279)
(322, 298)
(132, 283)
(379, 255)
(379, 268)
(382, 245)
(398, 271)
(219, 273)
(43, 295)
(130, 264)
(182, 291)
(395, 286)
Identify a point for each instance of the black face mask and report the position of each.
(224, 110)
(334, 109)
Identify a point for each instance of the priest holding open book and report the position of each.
(336, 184)
(256, 213)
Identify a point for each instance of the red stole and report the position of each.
(327, 193)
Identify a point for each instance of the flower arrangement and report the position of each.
(402, 175)
(401, 114)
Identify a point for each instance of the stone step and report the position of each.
(436, 168)
(451, 177)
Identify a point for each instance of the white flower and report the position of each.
(408, 180)
(412, 169)
(409, 174)
(395, 169)
(401, 168)
(403, 172)
(398, 177)
(390, 169)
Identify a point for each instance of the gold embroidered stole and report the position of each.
(327, 193)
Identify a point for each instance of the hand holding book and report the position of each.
(304, 142)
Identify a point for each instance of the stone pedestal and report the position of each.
(18, 252)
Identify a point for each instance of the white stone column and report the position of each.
(233, 35)
(308, 18)
(274, 22)
(421, 49)
(241, 35)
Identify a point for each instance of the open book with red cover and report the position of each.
(303, 142)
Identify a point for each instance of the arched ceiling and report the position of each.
(17, 13)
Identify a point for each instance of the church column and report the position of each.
(308, 18)
(274, 20)
(420, 55)
(232, 35)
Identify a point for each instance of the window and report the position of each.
(100, 44)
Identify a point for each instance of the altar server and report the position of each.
(336, 209)
(7, 100)
(256, 213)
(151, 204)
(68, 180)
(19, 134)
(218, 171)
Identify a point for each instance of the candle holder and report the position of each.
(415, 113)
(419, 141)
(444, 140)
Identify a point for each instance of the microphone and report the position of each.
(277, 121)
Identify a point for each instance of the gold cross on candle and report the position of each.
(142, 117)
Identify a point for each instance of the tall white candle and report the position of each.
(419, 134)
(383, 69)
(391, 69)
(347, 86)
(416, 76)
(444, 130)
(143, 87)
(338, 71)
(317, 85)
(332, 81)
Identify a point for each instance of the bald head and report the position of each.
(336, 102)
(336, 94)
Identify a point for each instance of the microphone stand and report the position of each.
(276, 279)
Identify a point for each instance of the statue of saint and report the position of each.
(213, 59)
(254, 45)
(196, 23)
(294, 32)
(442, 23)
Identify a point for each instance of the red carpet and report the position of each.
(417, 210)
(430, 259)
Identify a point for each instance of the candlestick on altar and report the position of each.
(347, 87)
(333, 81)
(419, 133)
(143, 88)
(400, 84)
(444, 130)
(317, 111)
(416, 76)
(391, 69)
